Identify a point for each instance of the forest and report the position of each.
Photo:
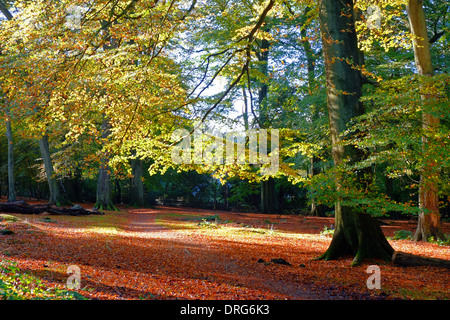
(227, 137)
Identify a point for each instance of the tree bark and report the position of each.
(357, 234)
(429, 223)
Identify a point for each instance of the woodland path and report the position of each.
(208, 261)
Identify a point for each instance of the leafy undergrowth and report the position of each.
(15, 285)
(180, 253)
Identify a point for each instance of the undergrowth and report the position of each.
(16, 285)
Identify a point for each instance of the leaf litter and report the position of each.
(181, 253)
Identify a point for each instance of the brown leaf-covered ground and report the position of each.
(181, 253)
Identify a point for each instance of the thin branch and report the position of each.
(232, 85)
(5, 11)
(251, 99)
(218, 72)
(207, 68)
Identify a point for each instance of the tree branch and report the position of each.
(5, 11)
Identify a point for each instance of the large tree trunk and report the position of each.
(269, 202)
(11, 179)
(356, 233)
(269, 199)
(137, 186)
(55, 195)
(429, 224)
(103, 199)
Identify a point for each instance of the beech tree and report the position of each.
(356, 233)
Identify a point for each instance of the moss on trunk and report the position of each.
(358, 235)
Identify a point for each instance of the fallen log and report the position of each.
(410, 260)
(25, 208)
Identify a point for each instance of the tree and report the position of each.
(356, 233)
(9, 133)
(24, 77)
(101, 74)
(429, 224)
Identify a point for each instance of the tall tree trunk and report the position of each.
(269, 198)
(55, 194)
(310, 64)
(137, 186)
(118, 191)
(269, 201)
(103, 198)
(11, 178)
(356, 234)
(429, 224)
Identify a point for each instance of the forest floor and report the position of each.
(182, 253)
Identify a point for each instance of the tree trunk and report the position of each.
(11, 179)
(269, 199)
(411, 260)
(310, 63)
(429, 224)
(55, 195)
(137, 186)
(118, 191)
(103, 199)
(269, 203)
(315, 210)
(357, 234)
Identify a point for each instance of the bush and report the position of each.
(402, 234)
(327, 232)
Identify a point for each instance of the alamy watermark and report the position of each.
(74, 281)
(215, 148)
(374, 281)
